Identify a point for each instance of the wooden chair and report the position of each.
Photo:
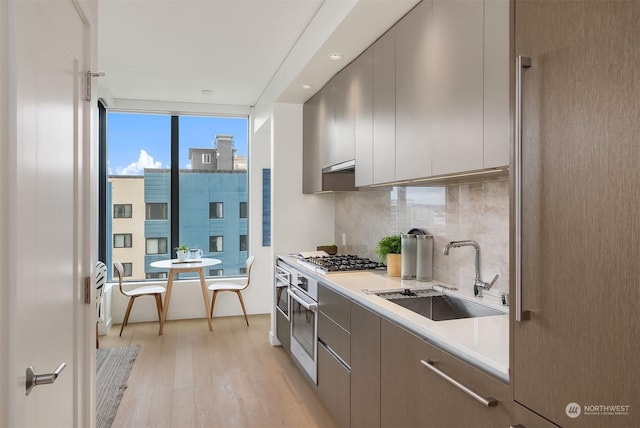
(101, 279)
(145, 290)
(217, 287)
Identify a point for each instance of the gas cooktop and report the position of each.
(341, 263)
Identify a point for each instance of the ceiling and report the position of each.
(232, 52)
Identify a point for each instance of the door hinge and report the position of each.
(87, 290)
(89, 77)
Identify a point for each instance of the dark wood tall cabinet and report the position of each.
(576, 228)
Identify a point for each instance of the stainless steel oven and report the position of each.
(282, 280)
(304, 322)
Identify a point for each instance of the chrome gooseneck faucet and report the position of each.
(478, 283)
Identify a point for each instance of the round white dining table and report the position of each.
(175, 267)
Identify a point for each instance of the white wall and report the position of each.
(299, 222)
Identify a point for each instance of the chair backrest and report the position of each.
(249, 265)
(101, 279)
(120, 272)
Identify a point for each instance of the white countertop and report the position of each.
(482, 342)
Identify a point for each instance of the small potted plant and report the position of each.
(181, 252)
(388, 249)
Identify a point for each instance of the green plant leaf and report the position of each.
(388, 245)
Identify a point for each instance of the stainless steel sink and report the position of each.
(436, 305)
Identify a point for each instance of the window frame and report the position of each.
(216, 250)
(147, 210)
(215, 203)
(125, 211)
(124, 235)
(171, 208)
(159, 239)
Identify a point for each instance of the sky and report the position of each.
(137, 141)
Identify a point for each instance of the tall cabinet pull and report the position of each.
(489, 401)
(521, 62)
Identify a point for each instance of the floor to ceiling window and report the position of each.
(174, 180)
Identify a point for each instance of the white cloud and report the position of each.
(145, 160)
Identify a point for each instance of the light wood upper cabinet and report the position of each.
(430, 97)
(455, 86)
(311, 164)
(344, 102)
(497, 132)
(413, 103)
(384, 108)
(363, 93)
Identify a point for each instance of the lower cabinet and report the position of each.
(283, 330)
(334, 354)
(334, 386)
(413, 394)
(374, 373)
(365, 367)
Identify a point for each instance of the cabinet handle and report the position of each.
(489, 401)
(521, 62)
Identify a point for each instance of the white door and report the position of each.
(48, 245)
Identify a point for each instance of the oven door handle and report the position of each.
(311, 306)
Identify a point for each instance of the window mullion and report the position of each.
(175, 185)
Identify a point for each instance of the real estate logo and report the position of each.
(573, 410)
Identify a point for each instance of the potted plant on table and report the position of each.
(388, 249)
(181, 252)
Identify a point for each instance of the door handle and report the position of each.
(521, 63)
(313, 307)
(34, 379)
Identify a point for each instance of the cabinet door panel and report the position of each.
(580, 196)
(456, 86)
(283, 331)
(363, 82)
(384, 108)
(311, 167)
(334, 386)
(412, 395)
(365, 368)
(497, 130)
(344, 110)
(413, 103)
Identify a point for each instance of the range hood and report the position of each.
(339, 177)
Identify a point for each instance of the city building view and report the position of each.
(212, 213)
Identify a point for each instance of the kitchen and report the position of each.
(566, 350)
(554, 223)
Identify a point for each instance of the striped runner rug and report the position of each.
(113, 366)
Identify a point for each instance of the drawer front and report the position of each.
(335, 337)
(335, 306)
(334, 386)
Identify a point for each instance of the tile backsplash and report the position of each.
(477, 211)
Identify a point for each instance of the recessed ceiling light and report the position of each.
(207, 92)
(335, 56)
(306, 86)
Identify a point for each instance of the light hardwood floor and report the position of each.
(229, 377)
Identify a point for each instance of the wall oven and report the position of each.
(303, 292)
(282, 280)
